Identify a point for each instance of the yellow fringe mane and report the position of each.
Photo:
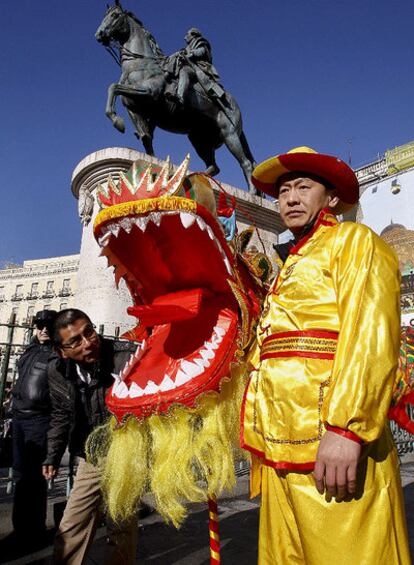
(183, 456)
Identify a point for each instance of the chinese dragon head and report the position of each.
(196, 299)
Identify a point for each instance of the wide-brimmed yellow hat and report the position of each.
(306, 160)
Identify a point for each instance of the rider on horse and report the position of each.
(190, 65)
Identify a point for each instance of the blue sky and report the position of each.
(305, 72)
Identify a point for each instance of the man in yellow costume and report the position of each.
(315, 409)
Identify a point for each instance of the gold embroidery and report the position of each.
(299, 343)
(322, 386)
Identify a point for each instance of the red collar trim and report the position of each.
(325, 218)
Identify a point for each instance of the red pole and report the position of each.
(214, 531)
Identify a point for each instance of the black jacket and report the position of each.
(31, 391)
(78, 407)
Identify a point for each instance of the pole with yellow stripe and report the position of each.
(214, 531)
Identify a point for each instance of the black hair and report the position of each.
(296, 174)
(64, 319)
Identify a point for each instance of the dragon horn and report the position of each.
(175, 182)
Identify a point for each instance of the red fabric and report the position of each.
(325, 334)
(283, 465)
(138, 333)
(169, 308)
(399, 414)
(344, 433)
(305, 354)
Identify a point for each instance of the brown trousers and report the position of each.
(81, 518)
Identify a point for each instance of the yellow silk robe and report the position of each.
(326, 356)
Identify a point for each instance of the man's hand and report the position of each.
(49, 472)
(336, 465)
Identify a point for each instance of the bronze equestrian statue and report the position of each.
(180, 93)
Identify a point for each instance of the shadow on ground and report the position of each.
(160, 544)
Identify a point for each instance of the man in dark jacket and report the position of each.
(78, 381)
(31, 411)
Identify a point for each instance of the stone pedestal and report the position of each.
(96, 292)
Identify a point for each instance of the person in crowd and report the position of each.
(30, 420)
(315, 410)
(79, 379)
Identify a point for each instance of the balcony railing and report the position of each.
(48, 294)
(32, 296)
(17, 296)
(64, 292)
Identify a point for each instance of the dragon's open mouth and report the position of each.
(177, 264)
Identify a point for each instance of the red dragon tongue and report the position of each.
(169, 308)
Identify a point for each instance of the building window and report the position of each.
(30, 314)
(63, 305)
(65, 290)
(15, 311)
(374, 189)
(33, 290)
(2, 295)
(47, 307)
(49, 289)
(18, 295)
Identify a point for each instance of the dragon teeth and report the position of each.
(219, 331)
(210, 233)
(207, 354)
(115, 229)
(201, 223)
(191, 369)
(211, 345)
(156, 217)
(151, 388)
(142, 223)
(120, 389)
(181, 378)
(167, 384)
(104, 240)
(135, 391)
(126, 224)
(202, 363)
(187, 219)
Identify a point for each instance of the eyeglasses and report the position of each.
(89, 334)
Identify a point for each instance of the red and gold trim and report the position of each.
(325, 218)
(214, 531)
(344, 433)
(315, 344)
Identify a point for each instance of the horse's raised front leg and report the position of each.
(110, 111)
(115, 90)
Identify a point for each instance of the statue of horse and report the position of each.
(208, 122)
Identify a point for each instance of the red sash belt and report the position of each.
(316, 344)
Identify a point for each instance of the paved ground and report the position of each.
(163, 545)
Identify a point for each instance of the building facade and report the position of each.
(36, 285)
(387, 206)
